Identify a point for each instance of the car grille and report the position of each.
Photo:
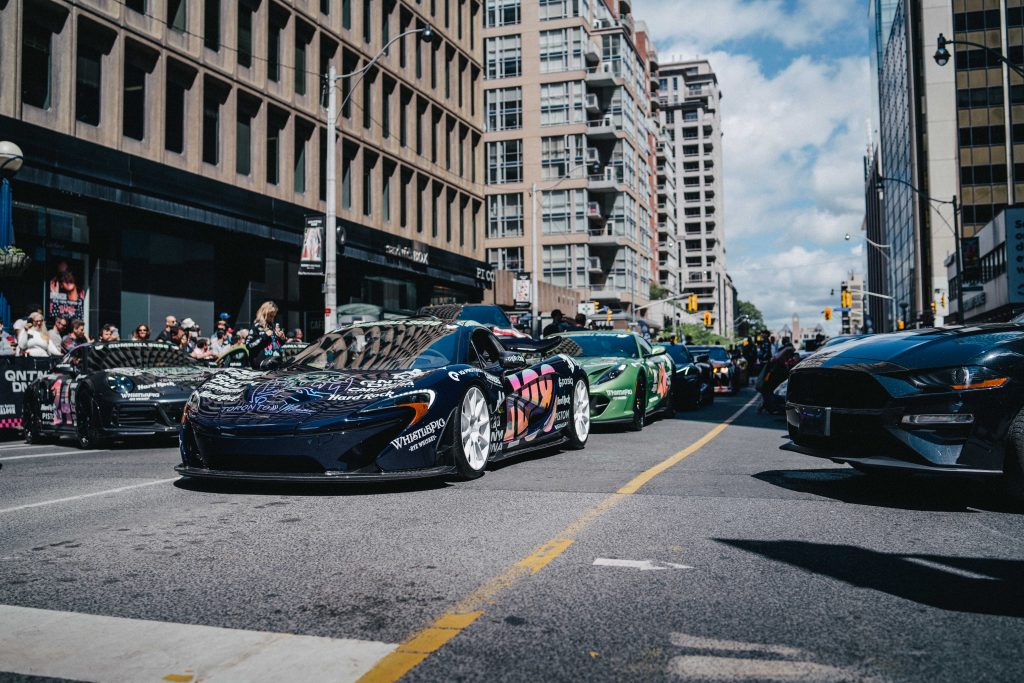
(836, 389)
(857, 435)
(143, 415)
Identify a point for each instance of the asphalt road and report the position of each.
(736, 562)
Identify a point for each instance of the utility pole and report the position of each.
(331, 220)
(534, 265)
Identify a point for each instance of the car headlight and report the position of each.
(420, 402)
(967, 378)
(611, 373)
(120, 384)
(191, 406)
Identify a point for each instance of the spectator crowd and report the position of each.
(30, 336)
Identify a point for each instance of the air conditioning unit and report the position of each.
(607, 68)
(609, 174)
(592, 155)
(591, 101)
(593, 209)
(608, 121)
(603, 23)
(609, 228)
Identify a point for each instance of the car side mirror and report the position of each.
(659, 351)
(271, 363)
(703, 358)
(511, 360)
(66, 368)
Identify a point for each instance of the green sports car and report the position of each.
(629, 378)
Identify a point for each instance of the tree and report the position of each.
(658, 292)
(748, 318)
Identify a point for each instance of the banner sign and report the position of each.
(312, 260)
(66, 298)
(970, 255)
(1014, 254)
(521, 290)
(16, 373)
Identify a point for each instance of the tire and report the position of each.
(472, 434)
(578, 430)
(87, 431)
(1013, 469)
(33, 423)
(639, 406)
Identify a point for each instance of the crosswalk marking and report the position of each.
(91, 647)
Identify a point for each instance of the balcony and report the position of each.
(606, 235)
(606, 75)
(652, 59)
(593, 105)
(594, 212)
(608, 181)
(603, 128)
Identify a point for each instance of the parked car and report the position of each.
(385, 400)
(946, 401)
(692, 380)
(725, 374)
(630, 380)
(108, 390)
(488, 315)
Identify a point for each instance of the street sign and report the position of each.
(521, 290)
(587, 308)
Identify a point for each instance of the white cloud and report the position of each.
(794, 138)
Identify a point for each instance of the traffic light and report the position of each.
(900, 324)
(707, 319)
(691, 303)
(828, 313)
(943, 300)
(934, 308)
(846, 298)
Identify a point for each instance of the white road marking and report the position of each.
(87, 495)
(738, 669)
(642, 565)
(70, 451)
(9, 446)
(99, 648)
(700, 643)
(931, 564)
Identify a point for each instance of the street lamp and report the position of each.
(942, 54)
(331, 211)
(10, 163)
(956, 230)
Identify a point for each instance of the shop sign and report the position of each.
(312, 260)
(485, 277)
(416, 252)
(521, 290)
(66, 298)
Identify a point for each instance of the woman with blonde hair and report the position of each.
(34, 340)
(264, 343)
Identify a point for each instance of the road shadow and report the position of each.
(976, 585)
(893, 490)
(313, 490)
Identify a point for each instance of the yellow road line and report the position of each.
(426, 641)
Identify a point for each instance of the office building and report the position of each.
(568, 147)
(690, 101)
(173, 150)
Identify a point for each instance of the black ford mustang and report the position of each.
(112, 389)
(389, 399)
(945, 400)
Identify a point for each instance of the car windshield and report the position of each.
(679, 354)
(491, 316)
(598, 345)
(128, 354)
(403, 345)
(714, 352)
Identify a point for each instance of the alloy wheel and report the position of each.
(475, 428)
(581, 410)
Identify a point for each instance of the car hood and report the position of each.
(921, 349)
(596, 365)
(297, 394)
(150, 383)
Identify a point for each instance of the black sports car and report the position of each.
(944, 400)
(725, 375)
(112, 389)
(692, 382)
(390, 399)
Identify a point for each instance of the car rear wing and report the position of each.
(549, 346)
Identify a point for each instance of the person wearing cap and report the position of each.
(191, 334)
(34, 340)
(558, 323)
(221, 339)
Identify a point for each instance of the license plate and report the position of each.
(814, 421)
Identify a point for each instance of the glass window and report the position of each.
(561, 156)
(134, 113)
(505, 215)
(383, 346)
(561, 50)
(506, 258)
(36, 75)
(87, 83)
(561, 103)
(621, 345)
(244, 35)
(505, 161)
(504, 108)
(176, 15)
(211, 24)
(503, 56)
(564, 265)
(564, 211)
(211, 125)
(501, 13)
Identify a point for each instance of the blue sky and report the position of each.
(796, 97)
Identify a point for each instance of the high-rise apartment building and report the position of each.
(946, 130)
(173, 150)
(690, 101)
(568, 147)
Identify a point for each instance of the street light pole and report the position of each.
(330, 210)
